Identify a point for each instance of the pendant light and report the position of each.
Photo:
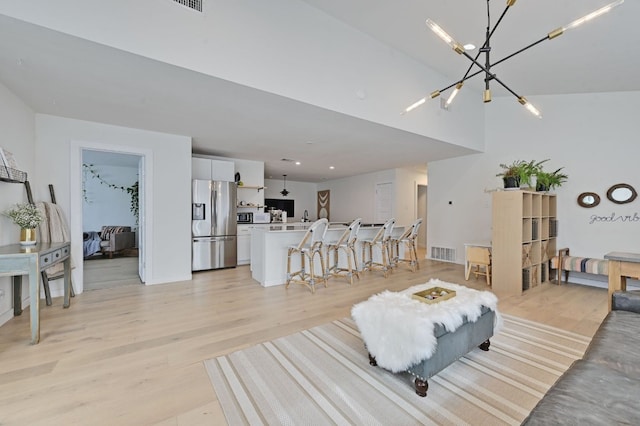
(284, 192)
(486, 67)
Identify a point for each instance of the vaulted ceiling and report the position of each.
(58, 74)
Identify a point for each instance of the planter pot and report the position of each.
(511, 182)
(542, 188)
(27, 236)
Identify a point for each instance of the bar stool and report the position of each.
(382, 241)
(409, 239)
(346, 244)
(310, 246)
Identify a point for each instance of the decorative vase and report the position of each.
(27, 236)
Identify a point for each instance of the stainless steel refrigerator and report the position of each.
(213, 225)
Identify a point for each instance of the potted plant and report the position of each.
(550, 180)
(27, 217)
(513, 173)
(520, 173)
(532, 168)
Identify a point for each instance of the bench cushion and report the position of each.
(582, 264)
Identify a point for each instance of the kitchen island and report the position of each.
(269, 245)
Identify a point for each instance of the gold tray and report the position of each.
(433, 295)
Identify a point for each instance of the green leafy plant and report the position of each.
(532, 168)
(131, 190)
(26, 216)
(550, 180)
(514, 169)
(522, 171)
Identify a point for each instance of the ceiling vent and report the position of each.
(191, 4)
(287, 160)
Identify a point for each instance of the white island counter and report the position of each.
(269, 245)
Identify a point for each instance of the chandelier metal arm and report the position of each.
(468, 76)
(491, 76)
(521, 50)
(486, 42)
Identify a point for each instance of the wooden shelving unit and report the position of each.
(523, 240)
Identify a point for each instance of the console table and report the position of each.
(621, 266)
(17, 260)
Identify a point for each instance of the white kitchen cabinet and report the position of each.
(200, 168)
(206, 168)
(222, 170)
(244, 244)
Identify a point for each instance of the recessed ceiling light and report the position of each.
(331, 167)
(297, 163)
(469, 46)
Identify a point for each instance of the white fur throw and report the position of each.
(399, 331)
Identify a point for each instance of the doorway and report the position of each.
(422, 213)
(145, 174)
(110, 218)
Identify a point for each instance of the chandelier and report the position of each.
(486, 68)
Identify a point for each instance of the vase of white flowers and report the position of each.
(27, 217)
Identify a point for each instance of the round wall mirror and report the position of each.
(588, 199)
(621, 193)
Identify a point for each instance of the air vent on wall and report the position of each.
(443, 253)
(191, 4)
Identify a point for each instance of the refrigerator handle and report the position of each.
(214, 205)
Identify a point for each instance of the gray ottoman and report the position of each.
(451, 347)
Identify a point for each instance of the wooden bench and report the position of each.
(566, 263)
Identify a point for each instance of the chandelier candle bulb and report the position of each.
(444, 36)
(415, 105)
(454, 93)
(592, 15)
(533, 110)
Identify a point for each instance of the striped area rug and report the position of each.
(322, 376)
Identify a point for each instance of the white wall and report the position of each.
(103, 205)
(18, 136)
(284, 47)
(60, 140)
(593, 136)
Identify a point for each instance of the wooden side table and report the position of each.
(17, 260)
(621, 266)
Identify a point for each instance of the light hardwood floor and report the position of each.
(102, 272)
(133, 354)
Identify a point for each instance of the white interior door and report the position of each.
(384, 202)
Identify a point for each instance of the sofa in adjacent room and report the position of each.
(603, 386)
(109, 241)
